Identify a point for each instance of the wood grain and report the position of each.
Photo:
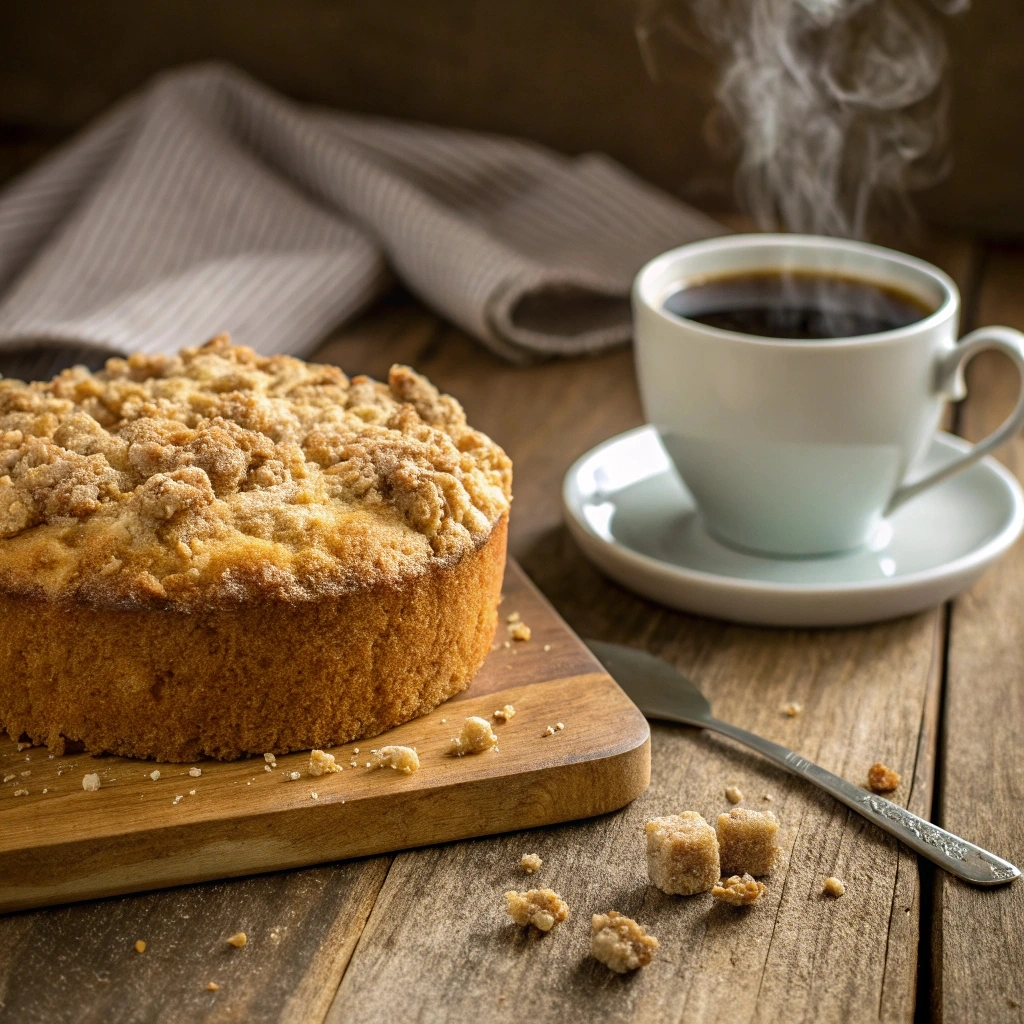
(58, 843)
(979, 934)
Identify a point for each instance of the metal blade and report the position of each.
(654, 686)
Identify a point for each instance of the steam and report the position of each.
(837, 107)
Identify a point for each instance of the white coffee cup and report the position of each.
(794, 447)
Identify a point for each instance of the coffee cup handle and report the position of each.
(950, 379)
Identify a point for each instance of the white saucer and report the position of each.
(630, 512)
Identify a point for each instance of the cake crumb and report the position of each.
(543, 908)
(238, 940)
(477, 736)
(154, 775)
(559, 726)
(834, 886)
(547, 647)
(747, 842)
(314, 796)
(403, 759)
(21, 792)
(620, 943)
(549, 731)
(682, 853)
(882, 779)
(768, 797)
(739, 890)
(322, 763)
(177, 800)
(7, 778)
(355, 750)
(195, 772)
(792, 709)
(514, 617)
(733, 794)
(292, 776)
(191, 792)
(519, 631)
(140, 946)
(212, 986)
(530, 863)
(91, 783)
(267, 768)
(504, 714)
(271, 760)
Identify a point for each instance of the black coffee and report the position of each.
(796, 305)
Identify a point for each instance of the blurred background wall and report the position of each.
(567, 73)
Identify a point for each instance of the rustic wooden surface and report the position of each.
(422, 934)
(978, 937)
(58, 844)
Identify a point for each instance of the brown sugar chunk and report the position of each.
(747, 842)
(620, 943)
(739, 890)
(543, 908)
(882, 779)
(682, 853)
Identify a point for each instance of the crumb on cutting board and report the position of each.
(620, 943)
(505, 713)
(238, 940)
(322, 763)
(476, 737)
(91, 783)
(140, 946)
(212, 986)
(403, 759)
(733, 794)
(792, 709)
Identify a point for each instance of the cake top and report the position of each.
(219, 475)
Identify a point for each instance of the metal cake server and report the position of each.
(660, 691)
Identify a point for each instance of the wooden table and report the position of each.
(422, 936)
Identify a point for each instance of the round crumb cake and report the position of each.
(221, 554)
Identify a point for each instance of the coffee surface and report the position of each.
(798, 306)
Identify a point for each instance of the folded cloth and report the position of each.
(207, 203)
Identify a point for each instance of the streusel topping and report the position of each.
(218, 474)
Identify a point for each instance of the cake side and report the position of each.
(266, 675)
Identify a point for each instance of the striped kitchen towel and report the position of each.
(208, 203)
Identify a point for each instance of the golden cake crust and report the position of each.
(220, 554)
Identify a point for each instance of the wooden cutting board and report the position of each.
(59, 843)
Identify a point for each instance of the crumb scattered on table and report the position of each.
(747, 842)
(739, 890)
(733, 794)
(22, 792)
(792, 709)
(682, 853)
(154, 775)
(140, 946)
(517, 629)
(530, 863)
(543, 908)
(620, 943)
(271, 759)
(212, 986)
(91, 783)
(547, 647)
(292, 776)
(503, 714)
(403, 759)
(314, 796)
(476, 737)
(834, 886)
(238, 940)
(195, 772)
(322, 763)
(178, 799)
(882, 779)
